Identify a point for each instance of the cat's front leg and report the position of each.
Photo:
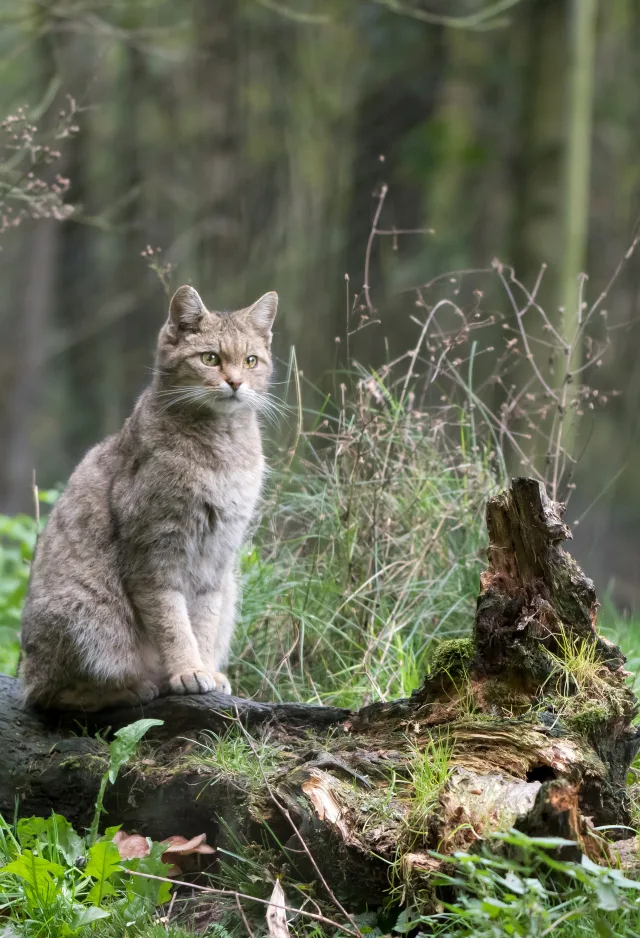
(213, 618)
(165, 617)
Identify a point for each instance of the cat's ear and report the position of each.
(186, 310)
(263, 312)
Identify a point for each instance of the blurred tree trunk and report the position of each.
(80, 361)
(133, 336)
(30, 324)
(538, 162)
(392, 118)
(318, 140)
(24, 351)
(453, 137)
(582, 45)
(537, 179)
(218, 159)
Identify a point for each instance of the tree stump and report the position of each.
(527, 723)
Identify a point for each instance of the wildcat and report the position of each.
(133, 586)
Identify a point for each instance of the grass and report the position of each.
(577, 664)
(429, 770)
(17, 541)
(369, 551)
(234, 756)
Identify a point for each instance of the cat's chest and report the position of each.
(226, 497)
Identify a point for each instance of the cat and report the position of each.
(133, 587)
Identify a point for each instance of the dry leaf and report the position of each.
(276, 914)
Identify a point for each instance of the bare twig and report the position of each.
(244, 917)
(372, 236)
(36, 500)
(234, 894)
(285, 812)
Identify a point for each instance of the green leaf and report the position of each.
(513, 882)
(493, 906)
(104, 861)
(588, 864)
(39, 874)
(125, 743)
(85, 914)
(406, 921)
(602, 928)
(33, 830)
(518, 839)
(152, 892)
(98, 892)
(70, 844)
(608, 899)
(621, 880)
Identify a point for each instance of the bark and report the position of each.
(532, 710)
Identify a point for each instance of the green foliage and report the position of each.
(369, 550)
(577, 664)
(125, 744)
(17, 540)
(522, 889)
(429, 770)
(120, 751)
(53, 882)
(18, 537)
(452, 657)
(234, 755)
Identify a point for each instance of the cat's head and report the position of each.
(210, 361)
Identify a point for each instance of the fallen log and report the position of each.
(527, 723)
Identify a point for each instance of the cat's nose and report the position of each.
(234, 383)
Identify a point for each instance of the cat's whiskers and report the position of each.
(185, 395)
(266, 405)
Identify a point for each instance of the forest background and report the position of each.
(243, 145)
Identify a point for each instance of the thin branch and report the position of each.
(470, 21)
(234, 894)
(367, 257)
(297, 834)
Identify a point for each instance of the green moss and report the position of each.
(589, 719)
(453, 657)
(508, 696)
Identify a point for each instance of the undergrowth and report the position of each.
(58, 883)
(368, 552)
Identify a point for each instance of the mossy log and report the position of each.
(526, 723)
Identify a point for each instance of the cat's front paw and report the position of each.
(222, 682)
(192, 682)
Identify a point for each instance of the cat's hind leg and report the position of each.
(90, 662)
(91, 699)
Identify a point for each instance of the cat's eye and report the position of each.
(210, 358)
(250, 361)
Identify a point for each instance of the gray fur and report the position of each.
(133, 587)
